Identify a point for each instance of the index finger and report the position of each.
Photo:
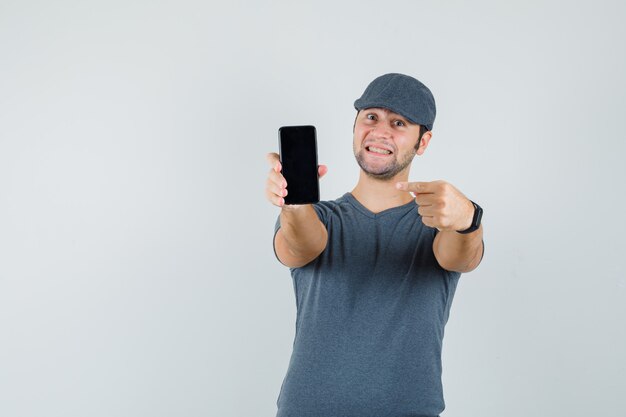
(274, 161)
(419, 187)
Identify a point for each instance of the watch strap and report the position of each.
(478, 214)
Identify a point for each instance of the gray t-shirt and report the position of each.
(371, 311)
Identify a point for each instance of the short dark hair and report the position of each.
(423, 129)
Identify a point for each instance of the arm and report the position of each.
(302, 236)
(458, 252)
(444, 207)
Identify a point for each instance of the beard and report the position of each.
(385, 172)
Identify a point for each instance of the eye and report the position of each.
(370, 116)
(399, 123)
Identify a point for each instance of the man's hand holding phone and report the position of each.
(276, 186)
(293, 185)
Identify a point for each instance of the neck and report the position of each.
(378, 195)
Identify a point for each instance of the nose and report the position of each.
(381, 130)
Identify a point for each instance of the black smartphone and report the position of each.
(298, 157)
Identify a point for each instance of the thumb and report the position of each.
(322, 170)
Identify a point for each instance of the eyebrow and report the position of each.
(388, 112)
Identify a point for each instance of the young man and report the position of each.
(375, 271)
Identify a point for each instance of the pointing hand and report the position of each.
(441, 205)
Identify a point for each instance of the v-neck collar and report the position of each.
(360, 207)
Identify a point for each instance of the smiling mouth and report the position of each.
(379, 151)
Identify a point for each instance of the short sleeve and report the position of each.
(323, 210)
(276, 227)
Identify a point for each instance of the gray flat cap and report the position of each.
(403, 95)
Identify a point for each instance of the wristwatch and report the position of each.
(478, 214)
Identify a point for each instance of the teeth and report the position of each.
(378, 150)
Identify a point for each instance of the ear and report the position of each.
(424, 142)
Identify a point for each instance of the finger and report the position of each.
(274, 160)
(274, 199)
(275, 189)
(322, 170)
(277, 178)
(430, 221)
(426, 211)
(416, 187)
(425, 199)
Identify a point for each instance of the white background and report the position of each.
(137, 276)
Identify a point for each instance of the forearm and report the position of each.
(459, 252)
(302, 236)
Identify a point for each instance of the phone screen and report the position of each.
(298, 157)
